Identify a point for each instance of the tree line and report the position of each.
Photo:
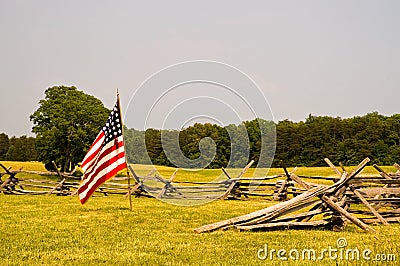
(68, 120)
(303, 143)
(342, 140)
(17, 148)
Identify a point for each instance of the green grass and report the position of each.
(51, 230)
(54, 230)
(32, 166)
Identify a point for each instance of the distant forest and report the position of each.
(17, 148)
(303, 143)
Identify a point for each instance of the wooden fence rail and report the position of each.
(374, 199)
(360, 199)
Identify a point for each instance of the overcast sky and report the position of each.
(336, 58)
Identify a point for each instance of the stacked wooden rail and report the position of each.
(380, 191)
(153, 185)
(63, 184)
(239, 187)
(351, 198)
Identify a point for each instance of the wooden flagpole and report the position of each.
(129, 177)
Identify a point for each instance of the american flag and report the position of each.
(105, 158)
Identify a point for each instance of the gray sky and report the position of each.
(337, 58)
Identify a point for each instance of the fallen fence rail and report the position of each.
(376, 200)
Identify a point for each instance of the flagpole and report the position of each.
(129, 177)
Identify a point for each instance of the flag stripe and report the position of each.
(101, 171)
(103, 161)
(112, 164)
(95, 146)
(104, 175)
(102, 158)
(93, 151)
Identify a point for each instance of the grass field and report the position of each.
(51, 230)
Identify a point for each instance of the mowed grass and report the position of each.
(51, 230)
(54, 230)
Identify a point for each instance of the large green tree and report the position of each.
(66, 123)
